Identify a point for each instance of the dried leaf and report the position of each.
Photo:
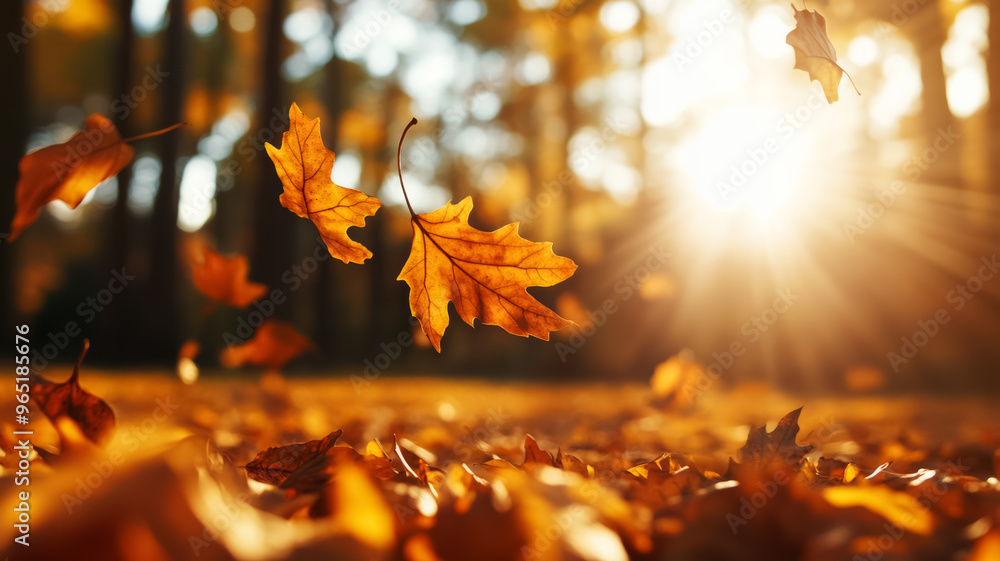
(67, 401)
(533, 454)
(766, 448)
(898, 508)
(304, 165)
(814, 52)
(67, 172)
(223, 279)
(485, 274)
(273, 344)
(275, 464)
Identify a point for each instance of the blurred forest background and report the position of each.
(606, 127)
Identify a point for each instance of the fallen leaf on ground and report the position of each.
(764, 449)
(275, 464)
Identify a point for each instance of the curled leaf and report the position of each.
(814, 53)
(67, 172)
(275, 464)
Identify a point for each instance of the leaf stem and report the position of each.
(154, 133)
(79, 360)
(399, 166)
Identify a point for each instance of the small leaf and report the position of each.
(766, 448)
(273, 344)
(223, 279)
(275, 464)
(814, 52)
(68, 401)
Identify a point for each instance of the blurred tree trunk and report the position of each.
(927, 32)
(14, 108)
(993, 114)
(119, 227)
(273, 226)
(326, 302)
(162, 298)
(117, 233)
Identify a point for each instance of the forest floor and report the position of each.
(171, 482)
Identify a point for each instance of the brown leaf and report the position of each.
(814, 52)
(766, 448)
(273, 344)
(275, 464)
(68, 171)
(68, 401)
(223, 279)
(304, 165)
(533, 454)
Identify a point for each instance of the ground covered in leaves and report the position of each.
(427, 469)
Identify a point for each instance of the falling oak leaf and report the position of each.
(273, 344)
(764, 449)
(68, 171)
(68, 401)
(485, 274)
(304, 165)
(814, 52)
(275, 464)
(223, 279)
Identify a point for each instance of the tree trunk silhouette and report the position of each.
(118, 230)
(161, 334)
(14, 108)
(326, 301)
(993, 112)
(273, 226)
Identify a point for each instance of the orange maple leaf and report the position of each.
(273, 344)
(68, 171)
(304, 165)
(223, 279)
(485, 274)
